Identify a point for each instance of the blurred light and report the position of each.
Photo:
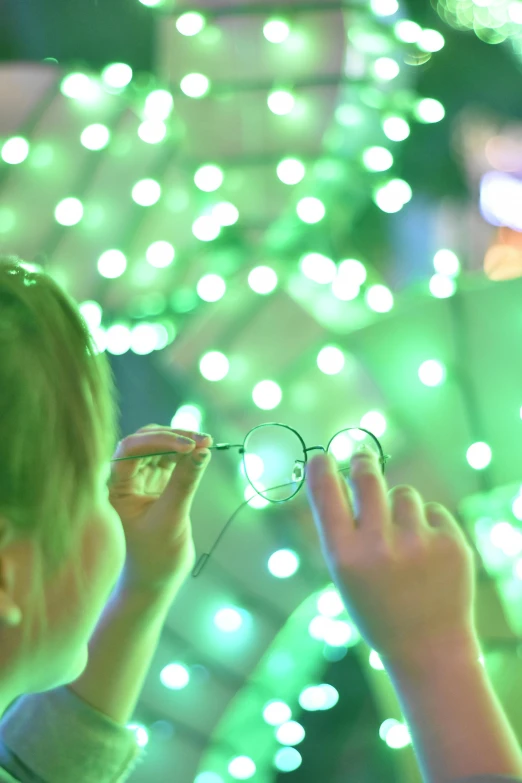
(515, 12)
(430, 41)
(91, 313)
(386, 726)
(318, 627)
(386, 69)
(276, 712)
(95, 137)
(375, 422)
(310, 210)
(429, 110)
(80, 87)
(375, 661)
(338, 633)
(225, 213)
(348, 115)
(118, 339)
(158, 105)
(152, 131)
(206, 228)
(396, 128)
(15, 150)
(407, 31)
(283, 563)
(262, 279)
(442, 286)
(214, 366)
(377, 159)
(330, 360)
(479, 455)
(208, 178)
(211, 288)
(331, 696)
(392, 196)
(146, 192)
(446, 263)
(291, 171)
(398, 736)
(379, 298)
(242, 768)
(287, 759)
(151, 3)
(276, 31)
(267, 395)
(190, 23)
(352, 269)
(228, 620)
(195, 85)
(330, 604)
(318, 268)
(254, 465)
(280, 102)
(187, 417)
(117, 75)
(208, 777)
(345, 289)
(432, 373)
(312, 698)
(160, 254)
(112, 264)
(516, 507)
(253, 499)
(69, 212)
(144, 339)
(290, 733)
(384, 7)
(175, 676)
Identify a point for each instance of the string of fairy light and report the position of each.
(347, 278)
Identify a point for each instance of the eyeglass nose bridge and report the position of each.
(314, 448)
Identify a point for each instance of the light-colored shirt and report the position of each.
(56, 737)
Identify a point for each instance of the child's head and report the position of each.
(61, 542)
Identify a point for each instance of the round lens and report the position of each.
(277, 454)
(347, 442)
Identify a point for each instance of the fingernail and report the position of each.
(364, 451)
(185, 441)
(203, 435)
(200, 455)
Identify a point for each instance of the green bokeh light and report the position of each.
(69, 211)
(15, 150)
(209, 177)
(287, 759)
(310, 209)
(291, 171)
(262, 279)
(112, 264)
(117, 75)
(280, 102)
(214, 366)
(377, 159)
(211, 288)
(95, 136)
(146, 192)
(195, 85)
(283, 563)
(379, 298)
(276, 31)
(175, 676)
(190, 23)
(267, 395)
(432, 373)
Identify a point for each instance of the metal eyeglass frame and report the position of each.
(203, 559)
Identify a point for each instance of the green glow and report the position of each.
(287, 759)
(158, 105)
(211, 288)
(208, 777)
(188, 417)
(118, 339)
(375, 422)
(318, 268)
(280, 102)
(276, 31)
(190, 23)
(352, 269)
(283, 563)
(146, 192)
(407, 31)
(386, 69)
(375, 661)
(267, 395)
(69, 211)
(446, 263)
(384, 7)
(112, 264)
(151, 3)
(214, 366)
(429, 110)
(209, 178)
(117, 75)
(379, 298)
(175, 676)
(310, 210)
(430, 41)
(91, 313)
(15, 150)
(195, 85)
(396, 128)
(290, 733)
(330, 360)
(276, 712)
(242, 768)
(144, 339)
(312, 698)
(432, 373)
(152, 131)
(263, 280)
(392, 196)
(160, 254)
(225, 213)
(479, 455)
(80, 87)
(442, 286)
(228, 620)
(291, 171)
(377, 159)
(95, 137)
(349, 115)
(206, 228)
(398, 736)
(329, 603)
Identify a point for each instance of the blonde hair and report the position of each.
(58, 411)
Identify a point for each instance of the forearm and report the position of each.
(120, 653)
(456, 721)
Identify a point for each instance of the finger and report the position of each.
(370, 489)
(184, 482)
(201, 438)
(143, 443)
(437, 516)
(330, 505)
(407, 509)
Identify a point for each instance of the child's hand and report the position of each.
(402, 567)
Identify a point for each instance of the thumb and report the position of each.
(185, 480)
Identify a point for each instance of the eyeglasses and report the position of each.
(274, 463)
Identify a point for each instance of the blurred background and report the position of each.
(305, 213)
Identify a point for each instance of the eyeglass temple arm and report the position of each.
(202, 560)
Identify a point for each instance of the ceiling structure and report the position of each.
(463, 319)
